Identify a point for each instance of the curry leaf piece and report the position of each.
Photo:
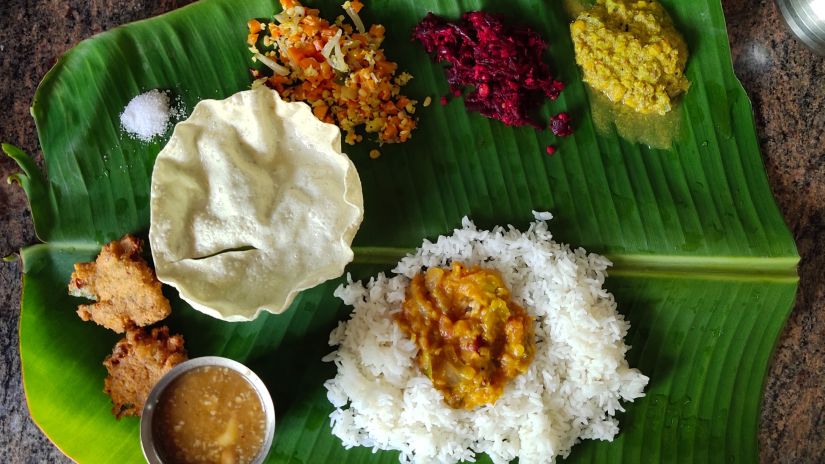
(705, 268)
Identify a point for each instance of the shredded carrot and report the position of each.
(320, 111)
(361, 38)
(252, 39)
(254, 26)
(387, 67)
(377, 30)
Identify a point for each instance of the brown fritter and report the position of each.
(127, 292)
(136, 364)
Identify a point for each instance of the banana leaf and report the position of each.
(705, 268)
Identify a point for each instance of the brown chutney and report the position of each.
(209, 414)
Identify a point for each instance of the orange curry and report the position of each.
(472, 338)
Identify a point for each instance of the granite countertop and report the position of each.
(786, 84)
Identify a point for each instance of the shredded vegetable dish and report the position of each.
(499, 65)
(338, 69)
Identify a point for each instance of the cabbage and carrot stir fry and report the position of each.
(338, 69)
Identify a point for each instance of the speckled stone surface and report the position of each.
(33, 34)
(785, 81)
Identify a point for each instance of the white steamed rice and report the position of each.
(570, 392)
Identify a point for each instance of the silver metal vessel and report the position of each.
(147, 440)
(806, 19)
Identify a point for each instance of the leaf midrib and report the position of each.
(743, 267)
(721, 267)
(713, 267)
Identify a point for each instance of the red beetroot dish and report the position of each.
(502, 64)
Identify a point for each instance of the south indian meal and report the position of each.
(501, 342)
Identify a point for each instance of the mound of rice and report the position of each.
(571, 391)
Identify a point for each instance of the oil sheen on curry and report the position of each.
(472, 338)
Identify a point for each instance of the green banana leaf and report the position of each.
(705, 268)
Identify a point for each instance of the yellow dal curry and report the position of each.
(472, 338)
(630, 51)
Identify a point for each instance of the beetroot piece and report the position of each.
(560, 124)
(502, 64)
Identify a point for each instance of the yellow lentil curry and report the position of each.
(630, 51)
(472, 338)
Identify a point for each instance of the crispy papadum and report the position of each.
(252, 201)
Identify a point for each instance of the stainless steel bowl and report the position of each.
(806, 18)
(147, 441)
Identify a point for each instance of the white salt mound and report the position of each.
(147, 115)
(570, 392)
